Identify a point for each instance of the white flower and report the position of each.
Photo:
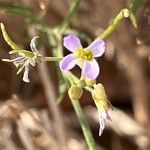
(25, 59)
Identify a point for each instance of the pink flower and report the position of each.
(83, 57)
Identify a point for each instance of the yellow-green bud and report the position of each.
(75, 92)
(99, 96)
(81, 83)
(90, 82)
(126, 13)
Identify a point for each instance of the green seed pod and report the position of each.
(90, 82)
(99, 96)
(75, 92)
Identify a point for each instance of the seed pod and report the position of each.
(99, 96)
(75, 92)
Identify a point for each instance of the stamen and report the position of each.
(83, 54)
(19, 62)
(13, 60)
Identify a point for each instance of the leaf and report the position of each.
(135, 4)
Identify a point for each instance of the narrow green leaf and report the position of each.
(133, 7)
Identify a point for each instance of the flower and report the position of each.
(102, 104)
(25, 58)
(83, 57)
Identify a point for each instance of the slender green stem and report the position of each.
(84, 124)
(52, 59)
(74, 6)
(133, 7)
(114, 24)
(81, 117)
(78, 110)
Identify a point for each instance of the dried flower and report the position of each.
(83, 57)
(25, 58)
(102, 104)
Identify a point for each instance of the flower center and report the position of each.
(84, 55)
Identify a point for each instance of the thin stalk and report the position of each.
(52, 59)
(73, 8)
(84, 124)
(81, 116)
(53, 107)
(76, 105)
(133, 7)
(112, 27)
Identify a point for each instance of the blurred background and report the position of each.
(30, 119)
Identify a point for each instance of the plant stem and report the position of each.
(76, 105)
(52, 59)
(81, 116)
(133, 7)
(84, 124)
(74, 6)
(53, 108)
(113, 25)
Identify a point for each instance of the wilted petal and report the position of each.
(103, 117)
(97, 47)
(102, 125)
(72, 42)
(91, 69)
(68, 62)
(26, 74)
(33, 44)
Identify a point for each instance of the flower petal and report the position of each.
(97, 47)
(33, 44)
(72, 42)
(103, 117)
(68, 62)
(26, 74)
(91, 69)
(101, 125)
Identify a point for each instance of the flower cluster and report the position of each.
(85, 59)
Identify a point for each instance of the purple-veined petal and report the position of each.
(97, 47)
(72, 42)
(68, 62)
(91, 69)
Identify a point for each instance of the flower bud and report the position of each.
(75, 92)
(90, 82)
